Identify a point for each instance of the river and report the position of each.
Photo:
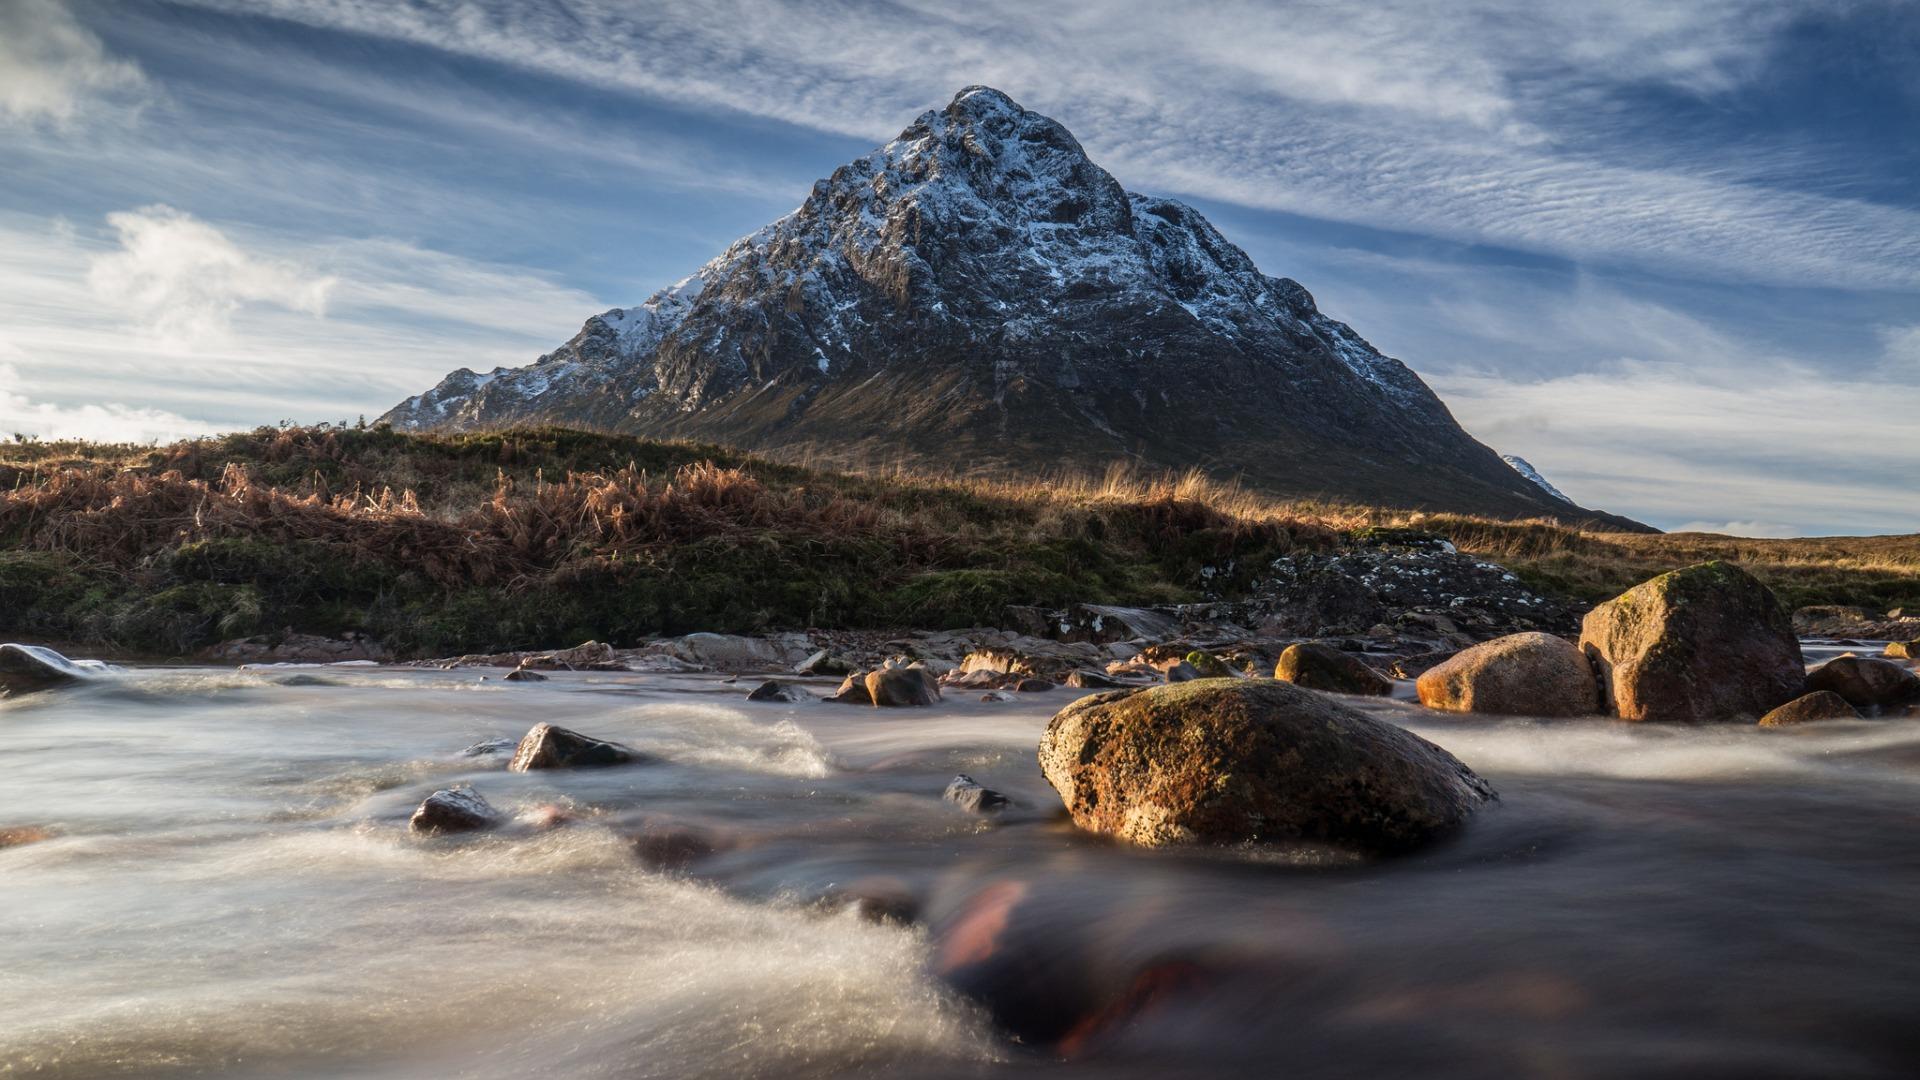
(231, 890)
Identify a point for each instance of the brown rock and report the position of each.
(1322, 667)
(902, 687)
(774, 690)
(853, 690)
(1704, 643)
(1034, 686)
(1250, 760)
(1082, 679)
(1866, 682)
(1904, 650)
(1418, 664)
(524, 674)
(546, 746)
(449, 810)
(1530, 674)
(1819, 705)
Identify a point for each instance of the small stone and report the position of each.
(1033, 686)
(525, 675)
(1904, 650)
(546, 746)
(773, 690)
(489, 746)
(451, 810)
(998, 695)
(1819, 705)
(967, 793)
(1183, 672)
(1082, 679)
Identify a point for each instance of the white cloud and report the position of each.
(1454, 120)
(182, 280)
(52, 69)
(108, 422)
(396, 318)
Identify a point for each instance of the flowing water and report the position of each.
(231, 890)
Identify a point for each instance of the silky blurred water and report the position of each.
(231, 890)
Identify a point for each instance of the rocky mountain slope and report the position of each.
(978, 295)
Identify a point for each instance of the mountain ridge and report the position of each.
(978, 293)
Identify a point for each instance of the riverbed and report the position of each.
(230, 889)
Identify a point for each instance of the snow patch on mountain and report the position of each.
(1524, 468)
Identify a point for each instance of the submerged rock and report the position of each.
(524, 674)
(1819, 705)
(1530, 674)
(458, 809)
(968, 794)
(902, 687)
(1225, 761)
(774, 690)
(1866, 682)
(36, 667)
(547, 746)
(22, 835)
(1703, 643)
(486, 747)
(1322, 667)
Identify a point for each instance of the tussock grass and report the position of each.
(486, 541)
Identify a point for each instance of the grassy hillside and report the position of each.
(443, 544)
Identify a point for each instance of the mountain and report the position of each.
(978, 295)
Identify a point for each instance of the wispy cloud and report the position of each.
(1455, 120)
(54, 70)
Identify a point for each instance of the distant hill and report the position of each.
(980, 296)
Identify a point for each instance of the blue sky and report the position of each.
(1669, 252)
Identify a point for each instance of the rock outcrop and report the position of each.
(1228, 761)
(1704, 643)
(1518, 675)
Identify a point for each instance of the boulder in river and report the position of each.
(449, 810)
(1819, 705)
(1531, 674)
(1866, 682)
(525, 674)
(1904, 650)
(1227, 761)
(1703, 643)
(902, 686)
(548, 746)
(968, 794)
(1323, 667)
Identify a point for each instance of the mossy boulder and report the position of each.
(1866, 682)
(1819, 705)
(1703, 643)
(1323, 667)
(1230, 761)
(1517, 675)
